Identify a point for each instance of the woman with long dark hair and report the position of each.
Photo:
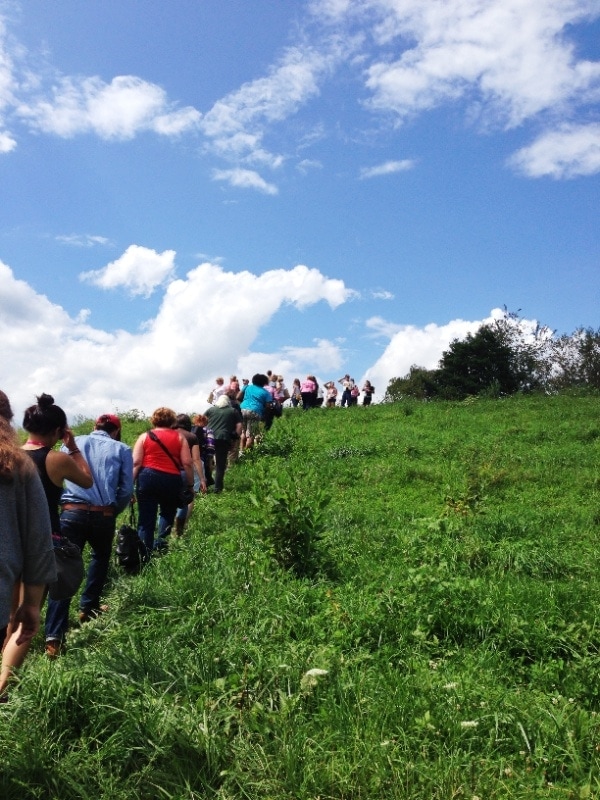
(368, 391)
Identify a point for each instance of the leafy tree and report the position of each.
(531, 346)
(482, 362)
(419, 383)
(576, 360)
(504, 356)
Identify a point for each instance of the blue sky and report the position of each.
(208, 187)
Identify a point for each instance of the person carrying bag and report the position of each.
(160, 457)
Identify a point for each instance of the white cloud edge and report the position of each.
(82, 240)
(570, 151)
(244, 179)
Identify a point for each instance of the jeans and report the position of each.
(183, 512)
(81, 528)
(156, 490)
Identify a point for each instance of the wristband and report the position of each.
(74, 452)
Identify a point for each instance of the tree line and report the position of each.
(504, 357)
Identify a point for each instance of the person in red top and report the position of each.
(159, 458)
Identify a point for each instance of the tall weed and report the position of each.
(291, 517)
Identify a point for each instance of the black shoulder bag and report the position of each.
(69, 569)
(130, 552)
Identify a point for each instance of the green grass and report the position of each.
(438, 562)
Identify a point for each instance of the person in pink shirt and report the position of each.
(308, 390)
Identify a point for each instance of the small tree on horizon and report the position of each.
(482, 362)
(576, 360)
(504, 356)
(419, 383)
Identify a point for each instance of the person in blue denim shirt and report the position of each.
(89, 517)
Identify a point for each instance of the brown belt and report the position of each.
(107, 511)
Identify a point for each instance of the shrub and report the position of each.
(291, 517)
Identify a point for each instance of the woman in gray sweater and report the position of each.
(26, 551)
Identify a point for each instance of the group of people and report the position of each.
(75, 492)
(305, 393)
(237, 413)
(78, 490)
(309, 394)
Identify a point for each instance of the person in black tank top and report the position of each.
(45, 424)
(53, 492)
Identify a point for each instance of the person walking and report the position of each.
(89, 517)
(225, 423)
(254, 407)
(159, 458)
(219, 389)
(308, 390)
(354, 393)
(368, 391)
(206, 442)
(183, 423)
(296, 396)
(346, 382)
(330, 394)
(46, 425)
(26, 549)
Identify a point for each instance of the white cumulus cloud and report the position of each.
(512, 57)
(7, 142)
(568, 152)
(116, 110)
(89, 370)
(140, 270)
(411, 345)
(507, 61)
(244, 179)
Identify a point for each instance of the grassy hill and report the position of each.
(392, 602)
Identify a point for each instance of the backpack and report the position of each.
(209, 439)
(130, 552)
(206, 440)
